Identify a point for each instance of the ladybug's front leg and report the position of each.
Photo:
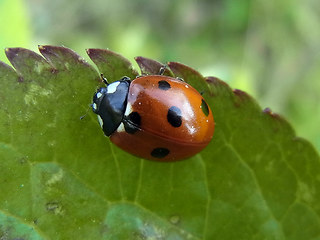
(104, 80)
(162, 70)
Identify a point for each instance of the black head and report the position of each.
(110, 104)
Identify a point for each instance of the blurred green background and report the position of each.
(270, 49)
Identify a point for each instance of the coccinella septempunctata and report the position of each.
(155, 117)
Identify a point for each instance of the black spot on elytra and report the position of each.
(174, 116)
(160, 152)
(204, 108)
(164, 85)
(135, 118)
(132, 122)
(130, 128)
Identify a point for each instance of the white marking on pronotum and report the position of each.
(112, 87)
(94, 106)
(100, 121)
(121, 128)
(128, 109)
(99, 95)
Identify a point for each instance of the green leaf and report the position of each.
(113, 63)
(60, 178)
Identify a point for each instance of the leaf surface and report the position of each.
(60, 178)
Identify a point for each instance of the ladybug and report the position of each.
(154, 117)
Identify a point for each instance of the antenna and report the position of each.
(83, 116)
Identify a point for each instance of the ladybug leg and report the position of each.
(141, 75)
(125, 78)
(162, 70)
(180, 79)
(104, 80)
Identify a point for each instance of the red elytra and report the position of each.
(162, 118)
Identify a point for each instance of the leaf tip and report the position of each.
(88, 50)
(11, 52)
(97, 54)
(269, 112)
(41, 47)
(241, 94)
(45, 49)
(274, 115)
(150, 66)
(182, 69)
(215, 80)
